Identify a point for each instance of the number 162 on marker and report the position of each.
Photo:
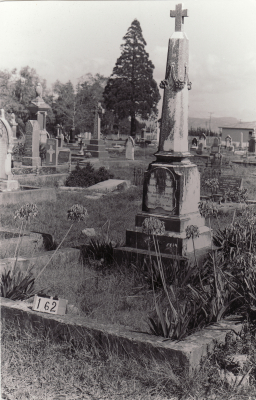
(49, 305)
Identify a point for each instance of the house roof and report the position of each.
(241, 125)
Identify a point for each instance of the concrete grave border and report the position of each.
(185, 355)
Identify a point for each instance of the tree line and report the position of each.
(129, 96)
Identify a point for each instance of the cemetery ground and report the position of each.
(36, 368)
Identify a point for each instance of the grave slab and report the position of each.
(110, 185)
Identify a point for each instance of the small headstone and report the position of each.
(203, 140)
(200, 149)
(129, 148)
(64, 156)
(194, 142)
(216, 146)
(51, 151)
(229, 182)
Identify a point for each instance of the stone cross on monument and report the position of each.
(179, 15)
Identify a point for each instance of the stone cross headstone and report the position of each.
(129, 148)
(32, 140)
(51, 151)
(97, 119)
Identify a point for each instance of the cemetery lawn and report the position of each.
(33, 368)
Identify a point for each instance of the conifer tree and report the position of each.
(131, 90)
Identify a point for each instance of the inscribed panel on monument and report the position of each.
(160, 191)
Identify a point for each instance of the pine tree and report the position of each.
(131, 90)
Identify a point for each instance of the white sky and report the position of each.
(67, 39)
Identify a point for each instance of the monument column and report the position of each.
(97, 146)
(173, 139)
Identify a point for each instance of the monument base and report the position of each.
(9, 185)
(31, 161)
(97, 149)
(171, 194)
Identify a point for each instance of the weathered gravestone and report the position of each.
(129, 148)
(31, 148)
(6, 145)
(229, 182)
(171, 190)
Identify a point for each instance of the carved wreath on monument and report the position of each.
(178, 83)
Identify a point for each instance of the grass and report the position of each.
(117, 209)
(34, 368)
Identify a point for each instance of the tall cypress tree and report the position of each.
(131, 90)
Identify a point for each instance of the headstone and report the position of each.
(38, 111)
(31, 148)
(215, 149)
(51, 151)
(200, 149)
(229, 182)
(171, 189)
(64, 156)
(129, 148)
(194, 142)
(203, 140)
(252, 143)
(14, 125)
(241, 140)
(72, 138)
(228, 141)
(7, 183)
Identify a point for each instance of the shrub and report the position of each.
(87, 176)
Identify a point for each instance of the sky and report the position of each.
(65, 40)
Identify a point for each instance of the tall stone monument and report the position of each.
(7, 181)
(171, 191)
(97, 146)
(38, 111)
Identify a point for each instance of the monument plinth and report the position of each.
(171, 190)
